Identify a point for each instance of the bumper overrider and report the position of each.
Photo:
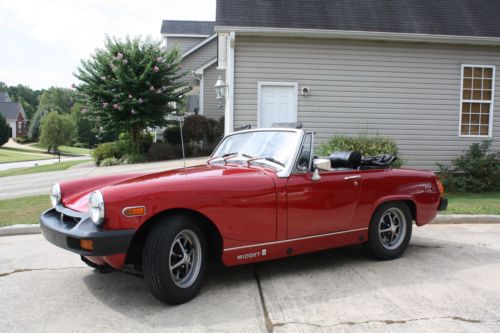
(67, 228)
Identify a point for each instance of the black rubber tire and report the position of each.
(374, 244)
(156, 258)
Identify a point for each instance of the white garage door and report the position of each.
(277, 103)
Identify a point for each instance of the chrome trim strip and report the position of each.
(294, 239)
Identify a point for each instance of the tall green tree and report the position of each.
(56, 130)
(131, 84)
(52, 100)
(4, 130)
(86, 132)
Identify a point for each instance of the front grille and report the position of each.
(67, 220)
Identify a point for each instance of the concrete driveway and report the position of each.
(448, 281)
(40, 183)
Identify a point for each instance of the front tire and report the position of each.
(175, 260)
(390, 231)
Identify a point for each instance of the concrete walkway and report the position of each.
(40, 183)
(447, 281)
(28, 164)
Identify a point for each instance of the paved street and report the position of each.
(40, 183)
(448, 281)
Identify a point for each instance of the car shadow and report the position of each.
(231, 294)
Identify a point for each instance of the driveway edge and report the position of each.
(27, 229)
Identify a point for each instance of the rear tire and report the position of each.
(175, 259)
(390, 231)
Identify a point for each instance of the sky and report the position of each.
(43, 41)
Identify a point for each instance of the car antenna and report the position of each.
(180, 119)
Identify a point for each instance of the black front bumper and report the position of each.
(443, 204)
(65, 228)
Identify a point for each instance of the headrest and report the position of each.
(346, 159)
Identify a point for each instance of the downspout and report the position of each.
(199, 77)
(229, 109)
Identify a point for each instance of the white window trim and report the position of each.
(490, 125)
(295, 85)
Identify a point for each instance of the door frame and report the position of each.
(295, 100)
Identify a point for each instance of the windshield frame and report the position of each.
(287, 169)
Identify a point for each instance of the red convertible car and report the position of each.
(262, 195)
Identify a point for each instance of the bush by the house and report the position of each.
(107, 150)
(22, 140)
(109, 162)
(476, 170)
(365, 144)
(172, 134)
(161, 151)
(132, 159)
(4, 130)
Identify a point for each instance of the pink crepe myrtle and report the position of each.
(105, 105)
(152, 88)
(85, 110)
(125, 61)
(156, 69)
(129, 96)
(119, 56)
(141, 100)
(116, 106)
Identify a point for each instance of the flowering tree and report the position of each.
(131, 85)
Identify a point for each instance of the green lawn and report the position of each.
(41, 168)
(10, 155)
(473, 203)
(23, 210)
(66, 149)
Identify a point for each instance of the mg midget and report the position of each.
(261, 195)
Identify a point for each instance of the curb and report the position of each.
(20, 229)
(28, 229)
(465, 219)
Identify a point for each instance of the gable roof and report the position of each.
(191, 28)
(10, 110)
(4, 97)
(478, 18)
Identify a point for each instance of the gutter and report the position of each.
(360, 35)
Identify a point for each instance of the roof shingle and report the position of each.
(10, 110)
(477, 18)
(204, 28)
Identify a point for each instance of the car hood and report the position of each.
(76, 193)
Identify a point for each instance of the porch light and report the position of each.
(220, 90)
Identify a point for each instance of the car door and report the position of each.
(321, 206)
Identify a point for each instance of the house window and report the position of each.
(19, 127)
(476, 112)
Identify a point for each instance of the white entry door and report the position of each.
(277, 103)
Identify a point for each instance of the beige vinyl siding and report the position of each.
(198, 58)
(210, 104)
(406, 91)
(184, 43)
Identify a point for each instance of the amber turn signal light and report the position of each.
(440, 186)
(134, 211)
(87, 244)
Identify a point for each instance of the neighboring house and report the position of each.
(422, 72)
(197, 42)
(13, 112)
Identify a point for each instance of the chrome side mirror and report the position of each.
(320, 164)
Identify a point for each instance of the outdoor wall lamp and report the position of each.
(220, 91)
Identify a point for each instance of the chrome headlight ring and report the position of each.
(96, 208)
(55, 195)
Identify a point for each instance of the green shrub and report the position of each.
(162, 151)
(81, 145)
(195, 128)
(366, 145)
(22, 139)
(477, 170)
(132, 159)
(172, 135)
(109, 162)
(107, 150)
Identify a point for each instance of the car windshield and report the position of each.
(274, 146)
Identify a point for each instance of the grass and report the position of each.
(41, 168)
(10, 155)
(66, 149)
(473, 203)
(23, 210)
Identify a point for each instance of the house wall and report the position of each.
(199, 58)
(407, 91)
(12, 125)
(210, 104)
(184, 43)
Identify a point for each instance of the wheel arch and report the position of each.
(214, 237)
(407, 200)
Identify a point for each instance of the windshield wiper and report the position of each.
(270, 159)
(228, 156)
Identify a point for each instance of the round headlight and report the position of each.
(55, 195)
(96, 208)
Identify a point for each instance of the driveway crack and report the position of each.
(267, 320)
(22, 270)
(385, 321)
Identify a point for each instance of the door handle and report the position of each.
(357, 177)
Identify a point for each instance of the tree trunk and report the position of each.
(135, 136)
